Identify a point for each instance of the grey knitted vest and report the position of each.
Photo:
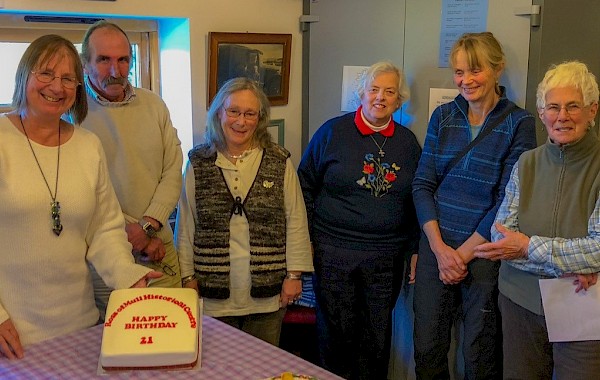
(264, 209)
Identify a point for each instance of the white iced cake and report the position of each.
(151, 328)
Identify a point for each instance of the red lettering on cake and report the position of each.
(145, 297)
(146, 340)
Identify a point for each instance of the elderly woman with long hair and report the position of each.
(548, 226)
(241, 229)
(59, 210)
(356, 177)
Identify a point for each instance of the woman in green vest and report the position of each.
(548, 226)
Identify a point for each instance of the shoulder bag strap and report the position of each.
(477, 139)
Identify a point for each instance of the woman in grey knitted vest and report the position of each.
(242, 232)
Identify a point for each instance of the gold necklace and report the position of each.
(54, 206)
(381, 152)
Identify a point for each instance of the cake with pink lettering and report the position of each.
(152, 328)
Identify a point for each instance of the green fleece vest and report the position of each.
(263, 208)
(558, 190)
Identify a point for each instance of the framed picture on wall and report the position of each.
(263, 57)
(277, 130)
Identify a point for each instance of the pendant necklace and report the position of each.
(381, 152)
(54, 206)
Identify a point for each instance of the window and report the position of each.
(15, 39)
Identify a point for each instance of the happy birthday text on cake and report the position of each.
(149, 322)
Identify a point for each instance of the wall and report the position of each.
(349, 33)
(200, 17)
(423, 20)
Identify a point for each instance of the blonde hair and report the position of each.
(482, 50)
(39, 53)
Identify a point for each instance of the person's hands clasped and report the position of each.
(512, 246)
(450, 264)
(155, 250)
(290, 291)
(136, 236)
(10, 343)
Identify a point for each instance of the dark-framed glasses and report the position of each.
(573, 109)
(235, 113)
(166, 269)
(48, 77)
(142, 258)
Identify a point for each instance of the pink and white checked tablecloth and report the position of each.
(227, 353)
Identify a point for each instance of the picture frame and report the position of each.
(264, 57)
(277, 130)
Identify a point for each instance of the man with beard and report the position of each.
(142, 149)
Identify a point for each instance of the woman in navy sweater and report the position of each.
(356, 179)
(456, 205)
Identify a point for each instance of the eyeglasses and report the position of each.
(386, 91)
(552, 110)
(248, 115)
(47, 77)
(167, 269)
(142, 258)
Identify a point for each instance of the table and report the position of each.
(227, 353)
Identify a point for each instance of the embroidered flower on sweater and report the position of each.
(377, 176)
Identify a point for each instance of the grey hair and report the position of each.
(569, 74)
(214, 133)
(384, 67)
(86, 54)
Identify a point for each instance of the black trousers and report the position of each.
(356, 292)
(436, 305)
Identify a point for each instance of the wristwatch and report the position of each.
(147, 227)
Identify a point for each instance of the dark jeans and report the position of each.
(529, 355)
(436, 305)
(356, 292)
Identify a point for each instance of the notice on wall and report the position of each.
(351, 77)
(439, 96)
(458, 17)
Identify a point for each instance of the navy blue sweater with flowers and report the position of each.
(354, 197)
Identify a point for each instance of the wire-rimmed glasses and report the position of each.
(552, 110)
(248, 115)
(47, 77)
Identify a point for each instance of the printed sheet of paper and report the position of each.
(351, 76)
(458, 17)
(570, 316)
(438, 96)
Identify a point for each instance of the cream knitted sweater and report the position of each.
(45, 285)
